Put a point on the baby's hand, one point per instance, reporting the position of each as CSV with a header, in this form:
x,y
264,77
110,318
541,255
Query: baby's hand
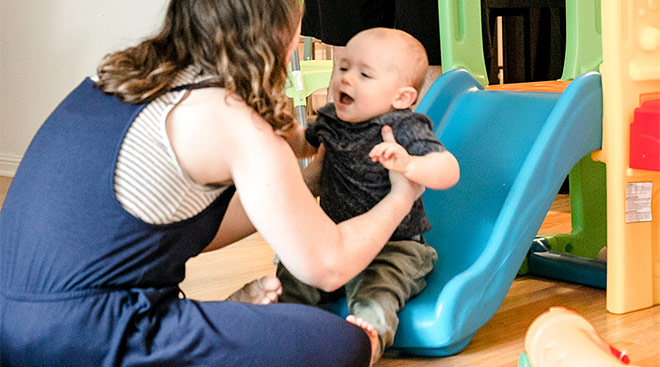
x,y
390,154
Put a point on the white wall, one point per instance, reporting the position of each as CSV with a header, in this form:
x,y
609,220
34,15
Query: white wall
x,y
48,47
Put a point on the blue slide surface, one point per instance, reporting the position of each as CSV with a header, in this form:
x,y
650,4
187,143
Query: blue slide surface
x,y
515,149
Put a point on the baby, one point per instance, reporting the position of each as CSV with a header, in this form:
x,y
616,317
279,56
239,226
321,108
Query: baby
x,y
368,130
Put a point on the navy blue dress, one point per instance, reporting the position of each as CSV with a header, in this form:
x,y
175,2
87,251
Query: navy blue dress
x,y
84,283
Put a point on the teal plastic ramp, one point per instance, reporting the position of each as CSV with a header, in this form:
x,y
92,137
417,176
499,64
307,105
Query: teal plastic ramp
x,y
515,149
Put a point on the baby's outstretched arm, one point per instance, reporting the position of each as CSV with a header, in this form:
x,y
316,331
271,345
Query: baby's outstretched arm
x,y
436,170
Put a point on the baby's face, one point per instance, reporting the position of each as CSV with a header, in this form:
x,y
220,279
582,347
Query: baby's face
x,y
365,80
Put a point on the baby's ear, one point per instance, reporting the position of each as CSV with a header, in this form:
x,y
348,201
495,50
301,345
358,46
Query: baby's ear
x,y
405,97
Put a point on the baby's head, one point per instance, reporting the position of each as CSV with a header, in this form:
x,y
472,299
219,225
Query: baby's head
x,y
381,70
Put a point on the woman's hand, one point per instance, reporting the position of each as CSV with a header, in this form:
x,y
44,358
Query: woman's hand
x,y
312,173
294,134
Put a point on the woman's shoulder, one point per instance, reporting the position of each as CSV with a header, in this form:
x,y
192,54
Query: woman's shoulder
x,y
213,104
203,97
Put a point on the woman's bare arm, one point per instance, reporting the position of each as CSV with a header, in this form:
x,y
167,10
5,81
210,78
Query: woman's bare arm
x,y
218,139
236,224
234,227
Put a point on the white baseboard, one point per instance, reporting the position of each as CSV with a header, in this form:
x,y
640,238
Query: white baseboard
x,y
9,164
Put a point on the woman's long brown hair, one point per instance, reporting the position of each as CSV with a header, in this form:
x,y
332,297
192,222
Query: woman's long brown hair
x,y
242,43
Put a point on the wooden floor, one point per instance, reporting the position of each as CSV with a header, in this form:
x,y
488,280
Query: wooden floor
x,y
215,275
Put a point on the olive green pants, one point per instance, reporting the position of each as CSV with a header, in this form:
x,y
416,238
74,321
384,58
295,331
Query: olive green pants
x,y
377,293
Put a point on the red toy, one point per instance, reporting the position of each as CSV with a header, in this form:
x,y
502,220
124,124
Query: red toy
x,y
645,137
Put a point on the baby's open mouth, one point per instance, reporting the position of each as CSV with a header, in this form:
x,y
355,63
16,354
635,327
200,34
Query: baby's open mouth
x,y
345,98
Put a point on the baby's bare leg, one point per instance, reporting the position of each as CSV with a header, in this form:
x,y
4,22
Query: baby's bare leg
x,y
371,333
262,291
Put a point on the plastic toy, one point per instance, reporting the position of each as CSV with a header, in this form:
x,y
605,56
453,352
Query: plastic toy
x,y
631,76
305,77
460,38
461,48
558,265
624,213
645,137
560,338
515,148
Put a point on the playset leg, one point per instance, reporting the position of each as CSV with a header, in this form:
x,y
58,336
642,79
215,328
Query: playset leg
x,y
572,257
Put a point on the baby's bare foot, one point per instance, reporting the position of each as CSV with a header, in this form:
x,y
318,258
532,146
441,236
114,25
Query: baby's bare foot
x,y
371,333
262,291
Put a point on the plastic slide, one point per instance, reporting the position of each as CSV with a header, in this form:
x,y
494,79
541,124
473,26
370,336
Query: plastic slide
x,y
515,149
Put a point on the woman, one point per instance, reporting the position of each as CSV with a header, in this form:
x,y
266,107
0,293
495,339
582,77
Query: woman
x,y
133,174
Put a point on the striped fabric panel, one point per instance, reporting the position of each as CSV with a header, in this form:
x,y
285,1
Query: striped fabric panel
x,y
149,183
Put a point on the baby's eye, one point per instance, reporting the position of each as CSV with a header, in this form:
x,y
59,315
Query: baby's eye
x,y
343,68
366,75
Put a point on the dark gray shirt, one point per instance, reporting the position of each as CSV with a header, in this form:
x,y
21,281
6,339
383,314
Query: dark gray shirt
x,y
351,183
